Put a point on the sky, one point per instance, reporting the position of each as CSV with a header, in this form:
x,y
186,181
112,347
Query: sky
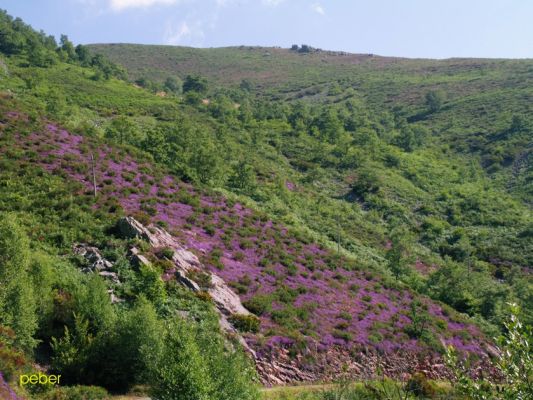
x,y
407,28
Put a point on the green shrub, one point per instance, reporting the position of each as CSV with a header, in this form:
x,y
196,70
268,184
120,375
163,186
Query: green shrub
x,y
203,279
245,323
341,334
166,252
77,393
259,304
419,385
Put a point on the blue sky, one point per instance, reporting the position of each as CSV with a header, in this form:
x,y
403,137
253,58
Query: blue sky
x,y
409,28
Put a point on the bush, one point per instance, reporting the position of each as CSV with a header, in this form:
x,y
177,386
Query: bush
x,y
77,393
259,304
245,323
166,252
340,334
515,365
203,279
194,364
419,385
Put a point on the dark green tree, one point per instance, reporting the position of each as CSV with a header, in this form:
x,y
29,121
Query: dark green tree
x,y
67,49
434,100
329,125
17,301
399,256
178,371
83,54
173,85
123,130
243,177
195,84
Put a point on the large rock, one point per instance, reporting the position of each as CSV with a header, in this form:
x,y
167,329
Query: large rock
x,y
226,301
98,264
96,261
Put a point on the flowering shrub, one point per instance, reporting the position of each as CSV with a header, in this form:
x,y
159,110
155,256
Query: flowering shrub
x,y
515,363
275,271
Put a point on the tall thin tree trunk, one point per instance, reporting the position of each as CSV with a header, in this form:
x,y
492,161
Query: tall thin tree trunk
x,y
94,174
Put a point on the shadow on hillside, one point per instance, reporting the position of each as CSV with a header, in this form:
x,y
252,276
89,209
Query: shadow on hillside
x,y
421,116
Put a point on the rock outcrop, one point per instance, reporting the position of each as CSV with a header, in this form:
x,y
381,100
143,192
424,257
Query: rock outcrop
x,y
98,264
273,369
225,300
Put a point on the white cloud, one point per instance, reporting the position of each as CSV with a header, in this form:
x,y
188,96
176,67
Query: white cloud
x,y
174,36
318,9
184,33
119,5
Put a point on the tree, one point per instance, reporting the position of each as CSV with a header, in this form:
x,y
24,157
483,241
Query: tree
x,y
398,256
243,177
67,48
40,56
11,40
178,370
367,182
106,68
411,137
515,364
329,125
434,100
206,163
119,358
195,84
195,364
84,56
420,320
17,301
71,352
173,84
123,130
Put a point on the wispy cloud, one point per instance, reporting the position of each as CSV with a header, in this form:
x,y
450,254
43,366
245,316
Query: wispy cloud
x,y
316,7
119,5
184,32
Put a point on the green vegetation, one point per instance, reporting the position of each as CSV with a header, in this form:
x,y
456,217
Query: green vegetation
x,y
429,164
515,365
417,172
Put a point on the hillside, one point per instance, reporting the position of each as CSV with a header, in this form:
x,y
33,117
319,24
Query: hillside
x,y
366,212
280,276
481,95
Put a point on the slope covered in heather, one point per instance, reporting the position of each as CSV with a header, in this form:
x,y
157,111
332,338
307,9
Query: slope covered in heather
x,y
357,148
363,228
306,295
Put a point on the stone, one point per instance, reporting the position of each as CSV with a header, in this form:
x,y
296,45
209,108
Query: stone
x,y
93,256
137,258
98,264
112,276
